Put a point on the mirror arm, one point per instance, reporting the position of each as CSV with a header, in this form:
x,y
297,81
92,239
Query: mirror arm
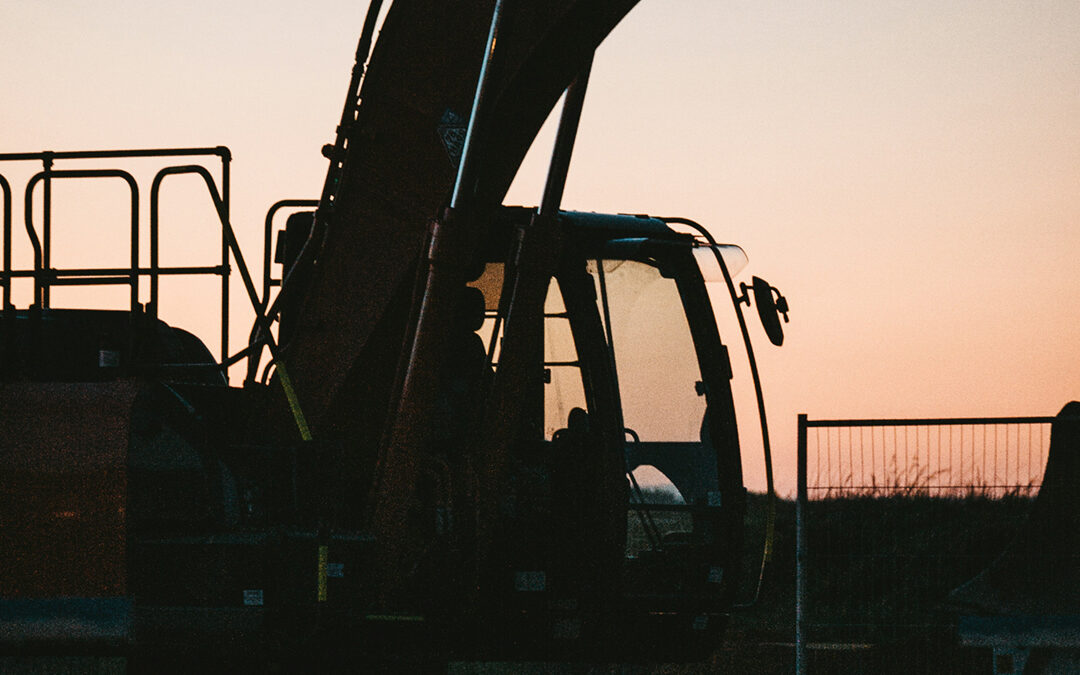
x,y
781,303
743,299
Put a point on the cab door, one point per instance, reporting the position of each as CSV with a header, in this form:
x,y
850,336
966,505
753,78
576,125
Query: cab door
x,y
687,500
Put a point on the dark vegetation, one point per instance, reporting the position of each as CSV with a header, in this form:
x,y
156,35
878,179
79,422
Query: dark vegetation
x,y
879,573
884,567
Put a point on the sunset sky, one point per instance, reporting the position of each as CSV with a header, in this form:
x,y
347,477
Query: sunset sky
x,y
908,174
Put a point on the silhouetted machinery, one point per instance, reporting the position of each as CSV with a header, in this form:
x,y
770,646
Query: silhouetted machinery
x,y
437,457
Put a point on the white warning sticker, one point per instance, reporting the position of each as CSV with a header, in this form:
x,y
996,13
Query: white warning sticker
x,y
452,131
530,581
253,597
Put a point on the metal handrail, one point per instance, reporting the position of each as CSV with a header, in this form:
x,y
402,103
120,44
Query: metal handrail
x,y
155,271
47,155
45,276
60,274
42,249
268,233
229,244
5,280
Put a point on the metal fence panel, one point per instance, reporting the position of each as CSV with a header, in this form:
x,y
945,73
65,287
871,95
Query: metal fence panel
x,y
893,514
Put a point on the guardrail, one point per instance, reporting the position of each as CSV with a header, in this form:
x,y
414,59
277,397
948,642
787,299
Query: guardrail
x,y
45,276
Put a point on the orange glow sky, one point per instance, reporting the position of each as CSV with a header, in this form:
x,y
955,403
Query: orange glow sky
x,y
908,174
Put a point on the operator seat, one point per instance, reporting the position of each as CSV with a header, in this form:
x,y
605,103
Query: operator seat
x,y
466,376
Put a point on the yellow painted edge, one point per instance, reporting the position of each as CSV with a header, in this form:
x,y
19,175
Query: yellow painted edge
x,y
294,403
324,555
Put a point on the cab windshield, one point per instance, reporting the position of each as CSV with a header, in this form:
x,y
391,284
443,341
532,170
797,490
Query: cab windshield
x,y
655,360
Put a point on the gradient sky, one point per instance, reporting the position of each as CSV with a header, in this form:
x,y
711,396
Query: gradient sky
x,y
908,174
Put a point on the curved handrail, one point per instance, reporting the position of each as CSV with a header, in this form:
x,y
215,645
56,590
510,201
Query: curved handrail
x,y
42,273
255,337
245,275
268,232
227,233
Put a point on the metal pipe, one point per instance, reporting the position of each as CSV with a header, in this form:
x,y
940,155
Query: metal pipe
x,y
44,276
35,243
224,216
6,188
108,154
800,550
563,149
46,228
470,147
71,272
101,280
134,239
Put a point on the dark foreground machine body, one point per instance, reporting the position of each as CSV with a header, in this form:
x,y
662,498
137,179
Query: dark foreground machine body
x,y
437,458
1026,604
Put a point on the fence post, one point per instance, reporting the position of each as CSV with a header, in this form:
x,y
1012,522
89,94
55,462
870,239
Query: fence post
x,y
800,551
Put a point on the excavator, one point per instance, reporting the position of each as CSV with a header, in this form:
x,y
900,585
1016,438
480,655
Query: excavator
x,y
446,406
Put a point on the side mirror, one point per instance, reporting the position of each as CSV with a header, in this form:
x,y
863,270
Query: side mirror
x,y
769,308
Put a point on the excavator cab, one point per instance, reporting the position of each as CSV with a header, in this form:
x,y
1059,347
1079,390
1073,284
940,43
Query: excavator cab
x,y
617,523
631,378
